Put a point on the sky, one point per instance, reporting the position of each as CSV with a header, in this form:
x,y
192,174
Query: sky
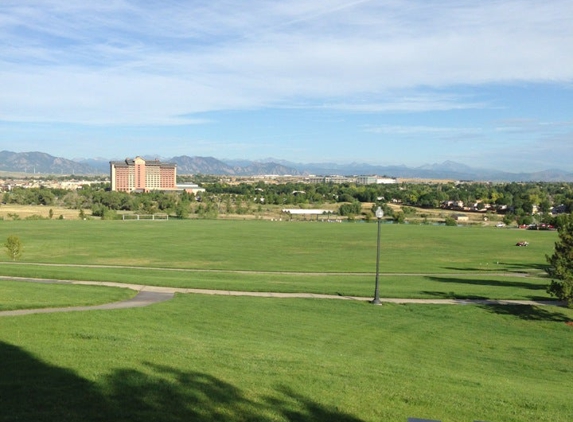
x,y
389,82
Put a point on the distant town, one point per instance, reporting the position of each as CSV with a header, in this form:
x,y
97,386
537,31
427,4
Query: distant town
x,y
137,186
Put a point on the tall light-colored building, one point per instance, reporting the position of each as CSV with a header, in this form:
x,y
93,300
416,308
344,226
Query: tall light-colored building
x,y
375,180
140,175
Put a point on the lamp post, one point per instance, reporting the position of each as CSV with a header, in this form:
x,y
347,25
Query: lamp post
x,y
376,300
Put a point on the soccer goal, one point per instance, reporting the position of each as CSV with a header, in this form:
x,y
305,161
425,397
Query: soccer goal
x,y
161,217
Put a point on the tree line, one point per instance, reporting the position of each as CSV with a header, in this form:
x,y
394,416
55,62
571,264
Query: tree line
x,y
516,201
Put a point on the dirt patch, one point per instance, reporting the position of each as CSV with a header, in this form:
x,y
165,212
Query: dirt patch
x,y
569,323
12,212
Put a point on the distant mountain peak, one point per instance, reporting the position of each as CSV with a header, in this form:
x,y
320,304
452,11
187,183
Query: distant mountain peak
x,y
36,162
43,163
446,165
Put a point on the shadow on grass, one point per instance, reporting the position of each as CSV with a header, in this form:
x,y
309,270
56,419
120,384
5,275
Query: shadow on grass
x,y
31,390
452,295
503,267
487,282
529,313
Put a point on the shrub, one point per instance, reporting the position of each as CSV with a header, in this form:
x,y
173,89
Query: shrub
x,y
451,221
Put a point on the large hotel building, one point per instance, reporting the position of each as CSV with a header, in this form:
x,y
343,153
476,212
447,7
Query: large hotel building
x,y
140,175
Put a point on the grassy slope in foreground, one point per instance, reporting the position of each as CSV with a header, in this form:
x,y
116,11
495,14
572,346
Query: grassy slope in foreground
x,y
224,358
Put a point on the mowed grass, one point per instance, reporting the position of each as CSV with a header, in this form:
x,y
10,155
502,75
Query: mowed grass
x,y
278,246
210,358
416,261
26,295
483,286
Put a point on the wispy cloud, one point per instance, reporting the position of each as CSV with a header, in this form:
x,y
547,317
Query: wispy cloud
x,y
417,130
130,62
533,126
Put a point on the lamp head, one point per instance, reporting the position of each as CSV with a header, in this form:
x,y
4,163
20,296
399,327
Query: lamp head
x,y
379,213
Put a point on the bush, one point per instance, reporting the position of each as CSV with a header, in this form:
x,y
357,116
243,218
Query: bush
x,y
410,211
35,217
451,221
104,212
353,208
399,217
13,247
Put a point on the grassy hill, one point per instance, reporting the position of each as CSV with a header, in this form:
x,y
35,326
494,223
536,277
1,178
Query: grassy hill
x,y
230,358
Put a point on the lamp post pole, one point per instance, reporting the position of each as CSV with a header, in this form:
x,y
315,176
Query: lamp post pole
x,y
376,300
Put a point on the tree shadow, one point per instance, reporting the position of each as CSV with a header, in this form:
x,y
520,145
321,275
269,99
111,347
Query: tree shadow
x,y
488,282
529,312
492,269
300,408
34,390
452,295
31,390
502,267
524,267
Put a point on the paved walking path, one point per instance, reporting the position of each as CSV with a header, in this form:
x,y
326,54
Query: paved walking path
x,y
148,295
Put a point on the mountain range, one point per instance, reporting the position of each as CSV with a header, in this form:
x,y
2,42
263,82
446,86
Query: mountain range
x,y
42,163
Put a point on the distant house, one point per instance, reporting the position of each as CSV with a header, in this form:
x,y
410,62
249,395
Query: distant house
x,y
559,209
191,188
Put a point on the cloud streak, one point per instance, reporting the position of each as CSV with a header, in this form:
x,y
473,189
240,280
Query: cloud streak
x,y
128,62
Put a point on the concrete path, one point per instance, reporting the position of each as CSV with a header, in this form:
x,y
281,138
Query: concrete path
x,y
321,296
141,299
148,295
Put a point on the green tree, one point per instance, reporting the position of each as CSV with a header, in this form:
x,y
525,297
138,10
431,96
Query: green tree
x,y
561,263
13,247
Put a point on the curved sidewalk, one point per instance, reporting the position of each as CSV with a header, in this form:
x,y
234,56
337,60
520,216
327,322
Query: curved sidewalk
x,y
143,298
148,295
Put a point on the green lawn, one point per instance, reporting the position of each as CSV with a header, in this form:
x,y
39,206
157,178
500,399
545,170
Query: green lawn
x,y
25,295
233,358
471,286
416,261
223,358
279,246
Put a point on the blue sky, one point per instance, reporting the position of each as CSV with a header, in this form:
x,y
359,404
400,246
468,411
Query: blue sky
x,y
488,84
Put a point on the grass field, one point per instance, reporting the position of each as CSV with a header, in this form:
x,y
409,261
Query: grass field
x,y
210,358
416,261
23,295
240,359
